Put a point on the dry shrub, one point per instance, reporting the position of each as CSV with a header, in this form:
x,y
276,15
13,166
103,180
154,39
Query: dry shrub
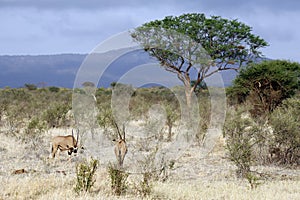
x,y
285,121
239,130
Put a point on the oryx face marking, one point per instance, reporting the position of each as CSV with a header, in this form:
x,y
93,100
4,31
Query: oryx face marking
x,y
64,143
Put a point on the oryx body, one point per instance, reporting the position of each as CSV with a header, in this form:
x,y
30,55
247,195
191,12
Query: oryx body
x,y
120,147
64,143
120,151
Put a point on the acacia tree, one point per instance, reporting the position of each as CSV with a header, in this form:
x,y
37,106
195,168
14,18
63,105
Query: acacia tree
x,y
265,85
192,44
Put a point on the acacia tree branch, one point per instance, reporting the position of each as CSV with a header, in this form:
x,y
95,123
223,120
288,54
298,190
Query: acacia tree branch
x,y
198,81
189,67
180,77
181,64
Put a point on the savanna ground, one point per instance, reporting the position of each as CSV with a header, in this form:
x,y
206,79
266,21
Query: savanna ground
x,y
193,173
192,177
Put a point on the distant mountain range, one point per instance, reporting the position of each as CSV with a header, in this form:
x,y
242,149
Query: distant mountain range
x,y
48,70
60,70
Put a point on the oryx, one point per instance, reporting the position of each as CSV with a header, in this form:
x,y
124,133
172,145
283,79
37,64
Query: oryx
x,y
64,143
120,146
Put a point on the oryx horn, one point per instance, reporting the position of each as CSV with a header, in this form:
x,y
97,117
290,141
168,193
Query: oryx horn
x,y
118,129
77,137
123,131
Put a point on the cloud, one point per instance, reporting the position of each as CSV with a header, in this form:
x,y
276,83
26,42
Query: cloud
x,y
89,5
71,26
237,6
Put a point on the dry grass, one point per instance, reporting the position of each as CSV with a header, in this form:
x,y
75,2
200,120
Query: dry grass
x,y
229,190
193,176
61,187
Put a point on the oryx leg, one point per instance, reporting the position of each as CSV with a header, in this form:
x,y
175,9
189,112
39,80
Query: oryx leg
x,y
54,149
70,156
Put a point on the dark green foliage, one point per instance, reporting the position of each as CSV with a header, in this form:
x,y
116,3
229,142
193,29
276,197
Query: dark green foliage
x,y
85,176
118,180
53,89
223,39
265,85
113,84
201,86
30,86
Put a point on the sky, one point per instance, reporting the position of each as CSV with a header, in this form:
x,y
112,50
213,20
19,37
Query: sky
x,y
36,27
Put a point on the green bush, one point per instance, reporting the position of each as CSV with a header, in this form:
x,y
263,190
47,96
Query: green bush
x,y
118,180
85,176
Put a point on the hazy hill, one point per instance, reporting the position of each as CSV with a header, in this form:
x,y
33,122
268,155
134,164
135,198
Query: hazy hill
x,y
60,70
52,70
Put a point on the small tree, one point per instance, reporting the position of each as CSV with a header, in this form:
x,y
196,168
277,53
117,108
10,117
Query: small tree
x,y
88,84
54,89
30,86
192,44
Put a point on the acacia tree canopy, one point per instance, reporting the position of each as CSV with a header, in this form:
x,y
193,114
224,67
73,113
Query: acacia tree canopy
x,y
266,84
194,42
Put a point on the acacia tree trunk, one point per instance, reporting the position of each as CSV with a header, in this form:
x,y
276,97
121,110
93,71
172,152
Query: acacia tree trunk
x,y
188,90
188,96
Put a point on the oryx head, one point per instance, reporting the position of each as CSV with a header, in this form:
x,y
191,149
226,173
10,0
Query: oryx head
x,y
74,149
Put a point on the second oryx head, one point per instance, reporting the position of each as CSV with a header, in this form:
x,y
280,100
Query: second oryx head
x,y
65,143
120,146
